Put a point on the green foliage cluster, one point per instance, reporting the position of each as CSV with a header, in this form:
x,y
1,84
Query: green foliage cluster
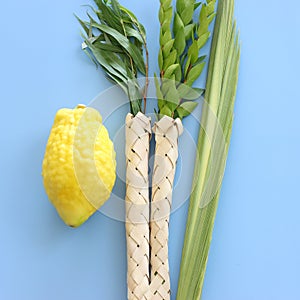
x,y
115,40
179,61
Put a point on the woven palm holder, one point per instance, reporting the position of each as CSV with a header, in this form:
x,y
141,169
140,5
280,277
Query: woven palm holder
x,y
138,131
166,130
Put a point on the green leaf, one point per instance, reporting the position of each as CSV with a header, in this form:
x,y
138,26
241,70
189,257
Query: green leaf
x,y
170,60
170,71
165,26
166,3
115,63
83,25
196,5
210,7
115,7
160,59
178,24
179,43
172,97
168,14
199,91
92,20
193,52
107,16
115,80
211,18
157,86
134,20
161,16
188,31
106,47
180,6
188,93
131,32
167,47
203,28
165,37
200,59
124,42
186,108
203,39
134,96
187,66
160,103
187,14
166,111
110,62
167,84
178,74
194,73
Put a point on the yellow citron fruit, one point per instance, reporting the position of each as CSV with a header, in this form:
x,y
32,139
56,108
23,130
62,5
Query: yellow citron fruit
x,y
79,167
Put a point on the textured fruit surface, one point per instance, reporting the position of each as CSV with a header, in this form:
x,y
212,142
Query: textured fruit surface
x,y
79,167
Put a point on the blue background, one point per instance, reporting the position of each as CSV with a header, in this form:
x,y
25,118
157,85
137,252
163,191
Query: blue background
x,y
256,245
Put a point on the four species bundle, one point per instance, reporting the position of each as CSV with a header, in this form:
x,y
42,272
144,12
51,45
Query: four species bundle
x,y
115,40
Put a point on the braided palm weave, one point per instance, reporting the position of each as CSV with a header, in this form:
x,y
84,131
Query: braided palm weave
x,y
167,131
138,131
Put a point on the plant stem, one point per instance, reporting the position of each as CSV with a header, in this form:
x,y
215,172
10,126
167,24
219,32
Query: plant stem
x,y
147,77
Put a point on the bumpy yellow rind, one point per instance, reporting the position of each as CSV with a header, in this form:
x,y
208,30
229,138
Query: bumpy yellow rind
x,y
79,167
